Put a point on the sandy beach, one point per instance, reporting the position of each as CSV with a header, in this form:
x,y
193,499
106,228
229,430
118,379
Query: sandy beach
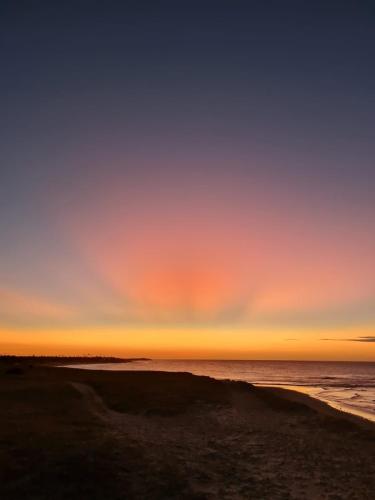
x,y
70,433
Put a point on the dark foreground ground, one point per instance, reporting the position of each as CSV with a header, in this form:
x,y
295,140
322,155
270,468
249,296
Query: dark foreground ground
x,y
78,434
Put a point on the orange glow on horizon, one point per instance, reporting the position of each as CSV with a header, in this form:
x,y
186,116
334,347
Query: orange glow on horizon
x,y
185,343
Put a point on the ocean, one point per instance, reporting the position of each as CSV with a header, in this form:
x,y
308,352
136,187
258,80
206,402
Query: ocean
x,y
348,386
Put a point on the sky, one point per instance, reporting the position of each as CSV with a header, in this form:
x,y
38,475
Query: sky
x,y
188,179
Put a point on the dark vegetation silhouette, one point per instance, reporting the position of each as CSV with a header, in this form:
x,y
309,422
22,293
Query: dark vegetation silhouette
x,y
10,358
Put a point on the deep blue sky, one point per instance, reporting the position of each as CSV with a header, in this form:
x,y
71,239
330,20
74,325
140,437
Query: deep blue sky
x,y
288,77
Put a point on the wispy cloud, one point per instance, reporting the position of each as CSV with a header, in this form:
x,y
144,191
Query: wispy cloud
x,y
366,338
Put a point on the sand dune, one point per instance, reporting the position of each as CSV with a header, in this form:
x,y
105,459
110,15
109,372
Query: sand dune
x,y
69,433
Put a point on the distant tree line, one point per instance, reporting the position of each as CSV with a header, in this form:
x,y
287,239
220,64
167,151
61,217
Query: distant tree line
x,y
10,358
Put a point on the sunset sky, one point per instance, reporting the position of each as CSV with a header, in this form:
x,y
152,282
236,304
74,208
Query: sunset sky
x,y
188,179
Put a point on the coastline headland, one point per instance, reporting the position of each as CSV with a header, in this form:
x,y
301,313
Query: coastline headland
x,y
9,359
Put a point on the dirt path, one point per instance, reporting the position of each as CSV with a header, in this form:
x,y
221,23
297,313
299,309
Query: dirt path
x,y
98,407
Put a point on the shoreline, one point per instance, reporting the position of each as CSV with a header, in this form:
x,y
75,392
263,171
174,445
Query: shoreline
x,y
334,408
289,393
319,405
339,409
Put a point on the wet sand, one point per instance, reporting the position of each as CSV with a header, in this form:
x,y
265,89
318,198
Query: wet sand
x,y
70,433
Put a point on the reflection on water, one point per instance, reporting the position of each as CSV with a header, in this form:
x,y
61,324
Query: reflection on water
x,y
349,386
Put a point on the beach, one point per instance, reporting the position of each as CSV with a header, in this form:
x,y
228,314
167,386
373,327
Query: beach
x,y
71,433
